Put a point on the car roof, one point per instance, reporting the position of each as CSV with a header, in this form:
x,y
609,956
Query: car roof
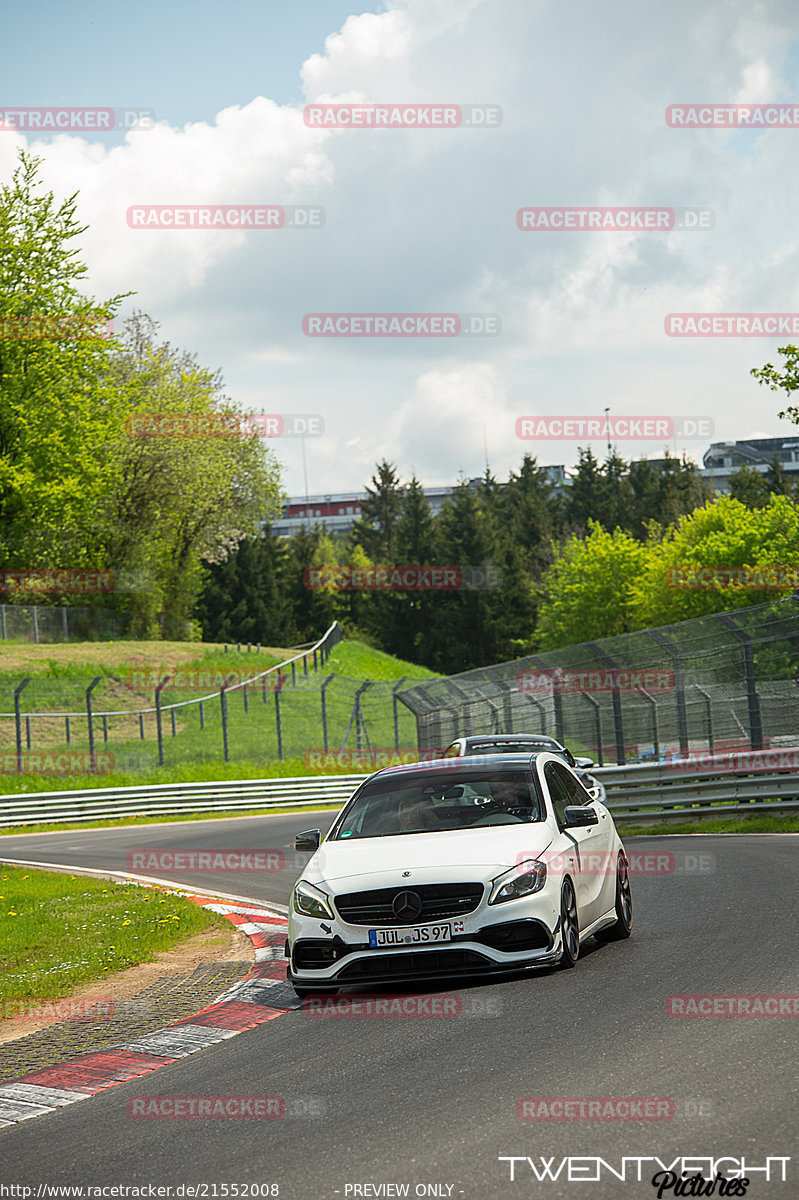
x,y
502,762
534,739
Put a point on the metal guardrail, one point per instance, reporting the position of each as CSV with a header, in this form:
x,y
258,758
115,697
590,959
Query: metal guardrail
x,y
641,791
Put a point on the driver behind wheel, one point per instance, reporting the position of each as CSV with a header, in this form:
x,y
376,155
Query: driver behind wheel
x,y
511,797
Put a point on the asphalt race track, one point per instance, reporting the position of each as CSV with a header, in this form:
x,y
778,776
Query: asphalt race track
x,y
432,1102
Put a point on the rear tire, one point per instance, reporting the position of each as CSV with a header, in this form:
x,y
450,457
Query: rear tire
x,y
623,925
569,927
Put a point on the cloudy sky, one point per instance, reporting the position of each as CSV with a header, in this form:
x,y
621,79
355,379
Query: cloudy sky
x,y
424,220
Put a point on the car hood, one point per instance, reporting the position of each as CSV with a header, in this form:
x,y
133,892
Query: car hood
x,y
446,857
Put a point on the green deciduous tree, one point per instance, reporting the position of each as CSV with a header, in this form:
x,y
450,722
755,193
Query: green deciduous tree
x,y
58,410
172,502
589,588
723,533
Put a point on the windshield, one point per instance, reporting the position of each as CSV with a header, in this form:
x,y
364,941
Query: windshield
x,y
427,803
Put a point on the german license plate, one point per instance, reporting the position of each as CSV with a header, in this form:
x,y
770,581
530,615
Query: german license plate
x,y
410,935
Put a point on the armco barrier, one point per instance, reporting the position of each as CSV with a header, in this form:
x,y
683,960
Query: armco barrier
x,y
639,791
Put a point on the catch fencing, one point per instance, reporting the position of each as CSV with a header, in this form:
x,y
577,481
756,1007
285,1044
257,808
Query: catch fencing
x,y
727,681
55,623
127,724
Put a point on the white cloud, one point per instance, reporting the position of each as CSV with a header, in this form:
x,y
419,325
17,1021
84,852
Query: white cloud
x,y
425,221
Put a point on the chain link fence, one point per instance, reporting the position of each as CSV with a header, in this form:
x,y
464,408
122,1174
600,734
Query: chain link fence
x,y
74,725
721,682
56,623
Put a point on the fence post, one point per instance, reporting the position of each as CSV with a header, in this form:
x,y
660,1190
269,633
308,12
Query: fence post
x,y
618,727
752,698
28,733
3,621
158,723
709,714
305,665
89,690
18,720
679,686
202,716
597,726
653,704
244,691
322,691
541,712
69,732
557,704
278,723
293,673
65,622
394,691
360,724
105,729
315,667
35,611
172,715
223,707
141,726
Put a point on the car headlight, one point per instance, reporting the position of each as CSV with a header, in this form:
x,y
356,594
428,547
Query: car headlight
x,y
524,880
310,901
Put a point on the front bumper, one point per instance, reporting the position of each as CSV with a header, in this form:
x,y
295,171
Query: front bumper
x,y
495,938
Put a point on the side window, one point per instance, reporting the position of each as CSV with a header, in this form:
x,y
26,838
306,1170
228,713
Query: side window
x,y
572,786
557,792
564,789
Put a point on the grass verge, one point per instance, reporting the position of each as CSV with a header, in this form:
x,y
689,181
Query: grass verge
x,y
59,932
760,823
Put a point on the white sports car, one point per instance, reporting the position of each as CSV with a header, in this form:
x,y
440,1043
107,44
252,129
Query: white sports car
x,y
457,867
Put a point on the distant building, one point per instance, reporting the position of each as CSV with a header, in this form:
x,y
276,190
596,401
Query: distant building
x,y
725,457
338,511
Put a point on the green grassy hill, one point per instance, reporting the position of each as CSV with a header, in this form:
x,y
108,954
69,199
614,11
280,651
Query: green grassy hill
x,y
192,732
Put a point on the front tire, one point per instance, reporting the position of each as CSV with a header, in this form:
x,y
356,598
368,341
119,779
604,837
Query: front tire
x,y
623,925
569,927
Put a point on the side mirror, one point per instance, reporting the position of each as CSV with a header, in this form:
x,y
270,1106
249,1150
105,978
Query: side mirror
x,y
308,840
575,816
583,763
